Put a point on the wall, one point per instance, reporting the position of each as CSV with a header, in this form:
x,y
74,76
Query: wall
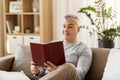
x,y
1,28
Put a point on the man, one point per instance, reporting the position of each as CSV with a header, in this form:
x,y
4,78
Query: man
x,y
78,56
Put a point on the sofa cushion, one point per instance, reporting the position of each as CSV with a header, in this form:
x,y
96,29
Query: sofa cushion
x,y
13,75
22,61
99,58
112,68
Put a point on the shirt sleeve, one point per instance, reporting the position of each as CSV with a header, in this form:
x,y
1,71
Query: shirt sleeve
x,y
84,61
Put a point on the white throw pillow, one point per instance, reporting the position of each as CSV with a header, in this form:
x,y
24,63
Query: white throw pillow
x,y
112,68
4,75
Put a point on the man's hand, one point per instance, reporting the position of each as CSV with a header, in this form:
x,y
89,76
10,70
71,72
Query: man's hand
x,y
34,69
50,66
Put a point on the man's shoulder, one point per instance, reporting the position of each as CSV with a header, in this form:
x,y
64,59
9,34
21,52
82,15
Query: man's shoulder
x,y
84,48
83,45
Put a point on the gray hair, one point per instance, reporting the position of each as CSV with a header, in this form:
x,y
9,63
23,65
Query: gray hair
x,y
72,16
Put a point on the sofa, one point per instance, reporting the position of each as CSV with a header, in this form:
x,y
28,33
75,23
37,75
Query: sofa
x,y
21,61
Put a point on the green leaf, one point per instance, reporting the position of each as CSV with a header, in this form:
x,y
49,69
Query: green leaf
x,y
109,14
89,8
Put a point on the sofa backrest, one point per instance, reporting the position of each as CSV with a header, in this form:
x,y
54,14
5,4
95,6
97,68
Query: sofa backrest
x,y
98,63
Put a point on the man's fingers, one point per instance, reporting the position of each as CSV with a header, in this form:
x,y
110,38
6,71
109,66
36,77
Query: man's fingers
x,y
51,64
46,65
35,69
33,63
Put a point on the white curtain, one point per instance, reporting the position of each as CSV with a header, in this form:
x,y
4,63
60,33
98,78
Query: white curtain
x,y
63,7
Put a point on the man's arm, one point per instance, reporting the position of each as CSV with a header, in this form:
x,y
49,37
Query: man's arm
x,y
84,61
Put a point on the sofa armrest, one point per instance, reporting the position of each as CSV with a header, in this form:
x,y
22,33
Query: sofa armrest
x,y
6,62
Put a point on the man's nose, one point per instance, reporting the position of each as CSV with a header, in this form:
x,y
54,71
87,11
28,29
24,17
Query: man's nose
x,y
66,29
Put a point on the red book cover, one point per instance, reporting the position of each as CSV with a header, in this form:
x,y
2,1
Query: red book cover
x,y
53,52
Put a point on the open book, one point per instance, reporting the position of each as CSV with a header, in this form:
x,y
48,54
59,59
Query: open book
x,y
53,52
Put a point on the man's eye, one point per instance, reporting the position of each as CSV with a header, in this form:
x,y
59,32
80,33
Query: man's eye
x,y
70,26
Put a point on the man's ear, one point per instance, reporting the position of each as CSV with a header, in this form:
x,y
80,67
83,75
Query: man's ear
x,y
78,28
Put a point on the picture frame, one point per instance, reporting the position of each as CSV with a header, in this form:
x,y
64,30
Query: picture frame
x,y
15,6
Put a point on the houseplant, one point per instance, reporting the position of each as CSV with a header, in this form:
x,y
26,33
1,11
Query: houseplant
x,y
103,23
27,30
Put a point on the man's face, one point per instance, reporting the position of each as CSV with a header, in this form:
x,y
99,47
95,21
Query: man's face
x,y
70,30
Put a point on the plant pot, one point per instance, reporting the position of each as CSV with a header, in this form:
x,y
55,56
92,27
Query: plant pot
x,y
27,31
106,44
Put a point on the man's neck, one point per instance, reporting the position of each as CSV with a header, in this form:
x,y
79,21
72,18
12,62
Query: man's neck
x,y
66,41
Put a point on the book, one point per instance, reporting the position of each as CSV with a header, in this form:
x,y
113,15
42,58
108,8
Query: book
x,y
53,52
9,26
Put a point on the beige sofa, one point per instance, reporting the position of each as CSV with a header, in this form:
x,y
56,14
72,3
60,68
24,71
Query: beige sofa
x,y
98,63
95,73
